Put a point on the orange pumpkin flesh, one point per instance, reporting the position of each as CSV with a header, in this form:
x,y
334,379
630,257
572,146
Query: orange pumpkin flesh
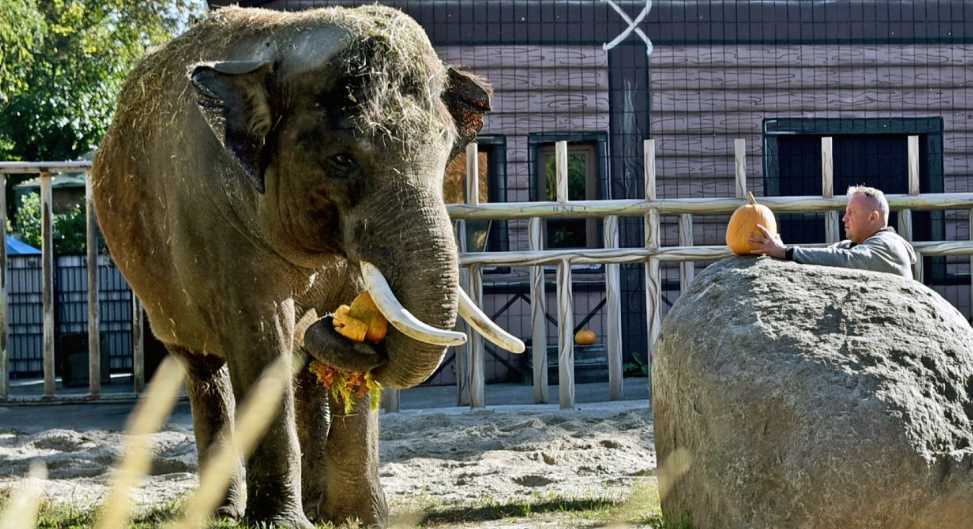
x,y
361,321
743,225
585,337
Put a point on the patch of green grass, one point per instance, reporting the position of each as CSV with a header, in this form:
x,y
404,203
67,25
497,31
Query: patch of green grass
x,y
492,511
65,517
640,508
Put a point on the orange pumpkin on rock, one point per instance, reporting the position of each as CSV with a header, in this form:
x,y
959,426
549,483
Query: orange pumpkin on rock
x,y
743,225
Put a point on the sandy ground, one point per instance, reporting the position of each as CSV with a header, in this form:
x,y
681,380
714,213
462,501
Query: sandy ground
x,y
447,456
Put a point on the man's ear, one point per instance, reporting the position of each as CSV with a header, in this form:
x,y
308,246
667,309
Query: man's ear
x,y
467,97
233,98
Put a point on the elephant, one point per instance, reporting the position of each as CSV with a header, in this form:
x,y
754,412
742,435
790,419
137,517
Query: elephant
x,y
267,165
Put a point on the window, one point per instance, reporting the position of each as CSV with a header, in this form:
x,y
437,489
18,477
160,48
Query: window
x,y
586,181
482,235
872,152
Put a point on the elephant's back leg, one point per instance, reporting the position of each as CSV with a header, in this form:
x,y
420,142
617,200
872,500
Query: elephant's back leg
x,y
212,403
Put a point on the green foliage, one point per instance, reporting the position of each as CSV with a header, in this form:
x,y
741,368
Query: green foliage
x,y
21,26
69,227
636,368
66,65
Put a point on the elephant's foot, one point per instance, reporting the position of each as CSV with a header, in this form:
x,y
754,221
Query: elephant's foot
x,y
231,512
294,519
374,516
235,502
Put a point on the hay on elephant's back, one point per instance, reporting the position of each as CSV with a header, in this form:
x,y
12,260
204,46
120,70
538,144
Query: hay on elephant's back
x,y
397,76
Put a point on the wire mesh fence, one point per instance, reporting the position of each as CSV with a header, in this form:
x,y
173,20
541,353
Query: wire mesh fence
x,y
694,75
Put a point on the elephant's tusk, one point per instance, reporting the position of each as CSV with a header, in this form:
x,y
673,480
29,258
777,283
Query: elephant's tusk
x,y
485,326
398,316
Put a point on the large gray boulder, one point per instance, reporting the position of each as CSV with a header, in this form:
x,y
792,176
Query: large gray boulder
x,y
795,396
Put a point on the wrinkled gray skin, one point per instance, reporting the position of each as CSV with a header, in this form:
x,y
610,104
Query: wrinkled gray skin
x,y
242,181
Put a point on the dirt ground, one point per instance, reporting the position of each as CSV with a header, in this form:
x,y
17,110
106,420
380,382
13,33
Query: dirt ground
x,y
444,457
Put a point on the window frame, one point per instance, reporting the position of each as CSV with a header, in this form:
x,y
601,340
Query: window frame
x,y
540,142
931,128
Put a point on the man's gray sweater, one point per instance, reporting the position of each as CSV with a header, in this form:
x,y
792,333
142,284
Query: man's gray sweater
x,y
885,251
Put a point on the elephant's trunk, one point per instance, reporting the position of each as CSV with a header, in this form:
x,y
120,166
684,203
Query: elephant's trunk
x,y
415,252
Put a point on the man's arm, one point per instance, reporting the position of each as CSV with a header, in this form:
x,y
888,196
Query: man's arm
x,y
869,255
860,256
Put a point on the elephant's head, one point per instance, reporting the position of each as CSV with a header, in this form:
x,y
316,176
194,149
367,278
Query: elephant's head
x,y
342,122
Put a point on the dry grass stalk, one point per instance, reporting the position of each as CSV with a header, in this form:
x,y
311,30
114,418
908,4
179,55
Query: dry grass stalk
x,y
673,468
152,410
21,511
253,417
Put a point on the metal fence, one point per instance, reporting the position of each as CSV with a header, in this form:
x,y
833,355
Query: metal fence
x,y
25,320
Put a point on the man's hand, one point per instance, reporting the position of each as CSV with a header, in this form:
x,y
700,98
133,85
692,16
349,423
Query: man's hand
x,y
767,244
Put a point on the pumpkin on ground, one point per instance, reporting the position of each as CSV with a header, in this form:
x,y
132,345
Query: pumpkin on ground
x,y
585,337
743,225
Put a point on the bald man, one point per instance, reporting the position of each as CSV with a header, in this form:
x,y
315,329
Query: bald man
x,y
871,243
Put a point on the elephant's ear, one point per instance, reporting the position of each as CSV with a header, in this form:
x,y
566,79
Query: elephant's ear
x,y
233,98
467,97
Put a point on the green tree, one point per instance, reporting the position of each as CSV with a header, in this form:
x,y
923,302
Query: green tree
x,y
66,65
21,28
68,227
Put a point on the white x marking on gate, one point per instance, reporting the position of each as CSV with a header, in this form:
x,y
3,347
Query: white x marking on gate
x,y
633,25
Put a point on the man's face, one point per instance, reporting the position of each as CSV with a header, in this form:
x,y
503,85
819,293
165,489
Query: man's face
x,y
862,219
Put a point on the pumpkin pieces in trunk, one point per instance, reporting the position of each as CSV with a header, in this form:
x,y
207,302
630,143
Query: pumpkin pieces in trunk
x,y
362,321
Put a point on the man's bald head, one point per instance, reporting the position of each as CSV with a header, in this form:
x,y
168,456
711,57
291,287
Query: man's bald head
x,y
867,213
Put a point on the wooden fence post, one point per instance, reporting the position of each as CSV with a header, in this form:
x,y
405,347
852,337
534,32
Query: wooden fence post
x,y
565,298
47,271
476,366
477,360
613,327
4,354
91,245
653,292
138,346
686,268
740,158
831,231
905,215
538,316
461,353
565,331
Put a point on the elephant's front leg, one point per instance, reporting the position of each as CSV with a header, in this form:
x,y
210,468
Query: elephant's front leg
x,y
263,335
313,422
353,490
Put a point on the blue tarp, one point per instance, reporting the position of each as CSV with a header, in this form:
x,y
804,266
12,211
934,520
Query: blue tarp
x,y
16,246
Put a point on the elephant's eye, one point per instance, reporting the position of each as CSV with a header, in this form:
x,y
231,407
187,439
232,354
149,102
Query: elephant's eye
x,y
342,163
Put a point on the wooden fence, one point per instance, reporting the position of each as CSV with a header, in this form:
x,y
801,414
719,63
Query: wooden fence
x,y
45,169
470,364
651,255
